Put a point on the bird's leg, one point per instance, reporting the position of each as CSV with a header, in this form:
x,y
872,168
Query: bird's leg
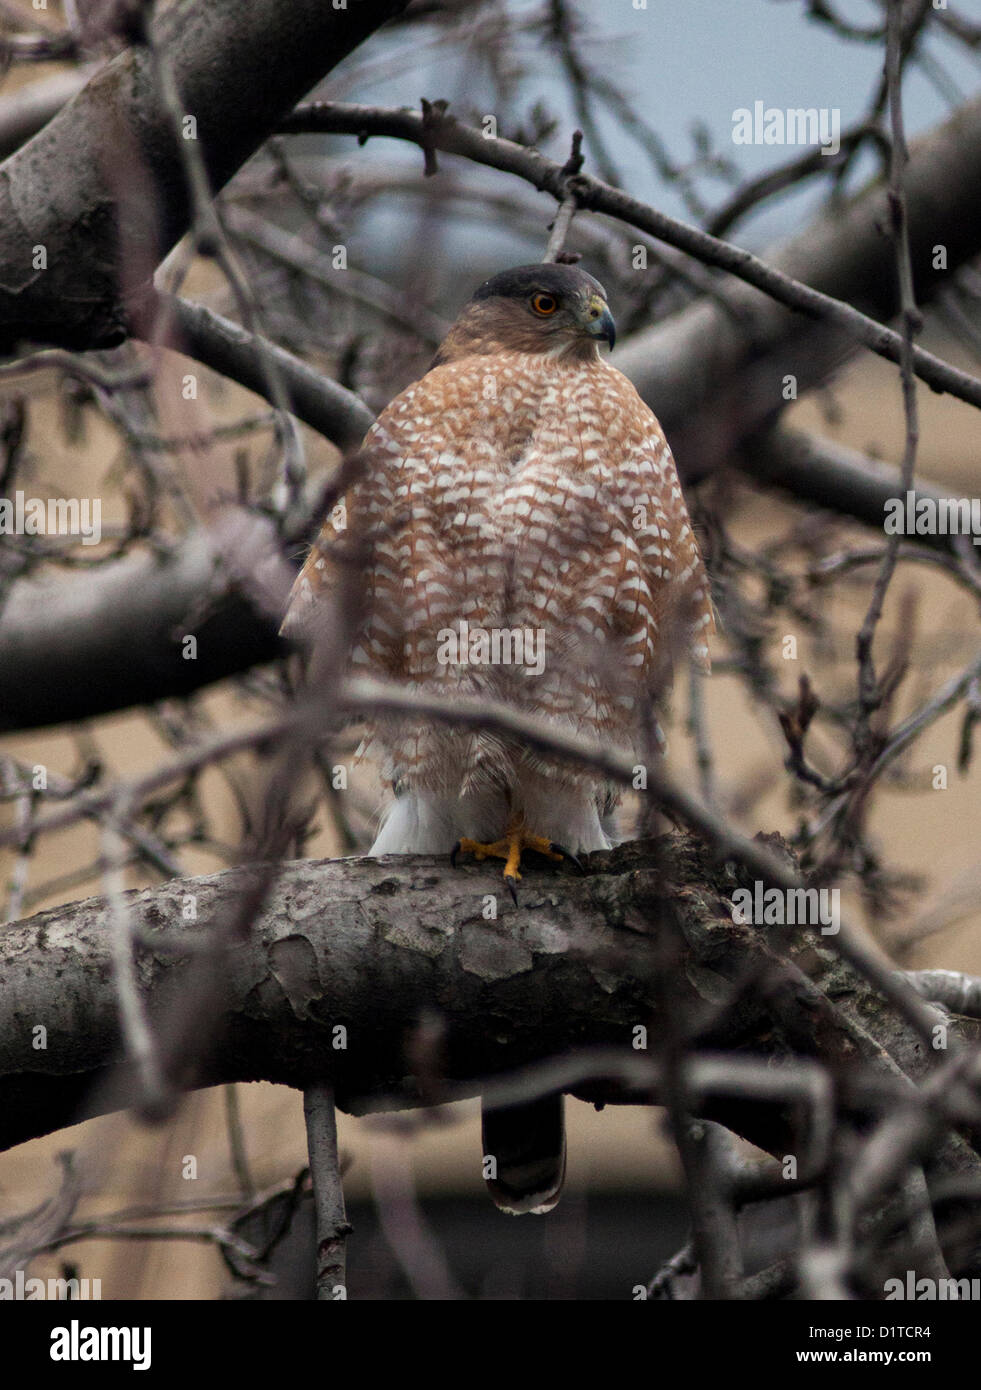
x,y
515,840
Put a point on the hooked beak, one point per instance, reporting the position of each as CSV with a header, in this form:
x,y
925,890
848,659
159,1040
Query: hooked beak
x,y
598,321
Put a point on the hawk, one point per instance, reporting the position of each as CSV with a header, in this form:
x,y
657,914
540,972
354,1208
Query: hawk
x,y
524,538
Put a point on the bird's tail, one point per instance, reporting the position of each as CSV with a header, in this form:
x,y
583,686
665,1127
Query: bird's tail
x,y
524,1154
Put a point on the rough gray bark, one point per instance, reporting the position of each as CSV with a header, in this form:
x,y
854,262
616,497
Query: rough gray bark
x,y
115,638
103,186
23,114
376,945
832,476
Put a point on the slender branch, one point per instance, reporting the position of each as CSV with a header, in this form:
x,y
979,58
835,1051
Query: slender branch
x,y
959,993
869,688
232,350
236,1143
74,365
444,132
328,1192
560,229
141,1047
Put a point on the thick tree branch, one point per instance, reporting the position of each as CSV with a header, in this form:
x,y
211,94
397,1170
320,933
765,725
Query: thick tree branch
x,y
305,723
837,478
372,945
104,184
325,1171
70,650
23,113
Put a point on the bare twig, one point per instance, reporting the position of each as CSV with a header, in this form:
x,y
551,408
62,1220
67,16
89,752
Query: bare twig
x,y
328,1192
451,135
154,1098
954,990
870,689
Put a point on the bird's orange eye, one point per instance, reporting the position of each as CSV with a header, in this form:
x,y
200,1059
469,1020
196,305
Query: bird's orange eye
x,y
544,304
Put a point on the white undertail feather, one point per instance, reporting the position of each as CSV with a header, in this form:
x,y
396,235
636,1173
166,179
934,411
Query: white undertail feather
x,y
428,823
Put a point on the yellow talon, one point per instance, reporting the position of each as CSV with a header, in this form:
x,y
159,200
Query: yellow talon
x,y
515,841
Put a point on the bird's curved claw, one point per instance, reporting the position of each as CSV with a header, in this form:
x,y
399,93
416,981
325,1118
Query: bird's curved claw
x,y
453,854
567,854
511,888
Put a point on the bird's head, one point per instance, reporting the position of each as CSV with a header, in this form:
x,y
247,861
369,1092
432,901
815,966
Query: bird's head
x,y
553,309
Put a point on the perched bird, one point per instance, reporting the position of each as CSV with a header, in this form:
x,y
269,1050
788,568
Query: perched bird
x,y
524,538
